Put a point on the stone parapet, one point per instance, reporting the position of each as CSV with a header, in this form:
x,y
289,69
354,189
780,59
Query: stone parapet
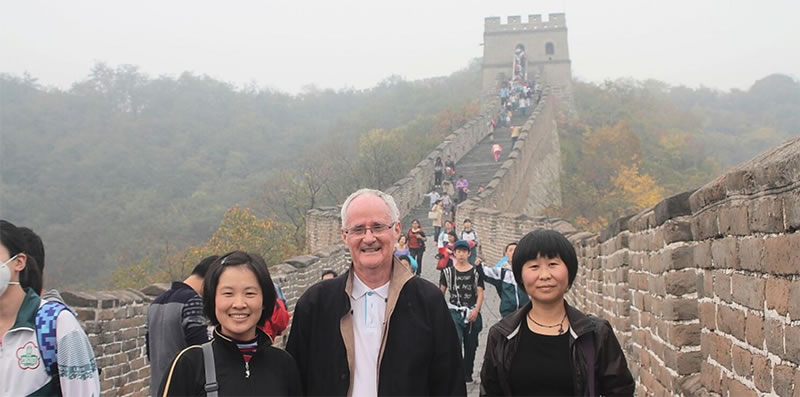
x,y
323,224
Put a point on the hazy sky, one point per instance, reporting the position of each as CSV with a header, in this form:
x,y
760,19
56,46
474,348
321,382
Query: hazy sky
x,y
288,45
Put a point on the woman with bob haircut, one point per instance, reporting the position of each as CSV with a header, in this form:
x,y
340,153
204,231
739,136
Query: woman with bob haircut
x,y
238,295
547,347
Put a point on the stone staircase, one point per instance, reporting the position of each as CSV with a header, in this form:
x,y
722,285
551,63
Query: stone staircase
x,y
478,166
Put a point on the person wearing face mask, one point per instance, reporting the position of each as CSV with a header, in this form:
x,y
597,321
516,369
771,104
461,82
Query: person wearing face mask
x,y
23,371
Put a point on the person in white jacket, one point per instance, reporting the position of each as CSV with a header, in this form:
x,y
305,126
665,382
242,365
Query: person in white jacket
x,y
23,368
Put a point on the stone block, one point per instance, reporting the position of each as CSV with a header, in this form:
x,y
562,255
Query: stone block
x,y
762,373
794,300
722,286
720,350
731,321
679,309
773,333
702,255
675,231
742,361
683,334
792,333
672,207
681,282
708,315
751,254
678,258
777,294
739,389
791,208
705,225
765,215
748,291
733,220
725,253
754,330
780,254
711,377
783,379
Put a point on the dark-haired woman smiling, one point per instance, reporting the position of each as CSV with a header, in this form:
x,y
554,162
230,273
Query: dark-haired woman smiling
x,y
238,295
549,348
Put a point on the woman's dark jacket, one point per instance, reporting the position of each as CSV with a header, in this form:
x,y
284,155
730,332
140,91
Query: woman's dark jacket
x,y
612,377
273,372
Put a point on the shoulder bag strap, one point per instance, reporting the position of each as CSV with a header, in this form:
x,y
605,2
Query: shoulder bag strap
x,y
211,386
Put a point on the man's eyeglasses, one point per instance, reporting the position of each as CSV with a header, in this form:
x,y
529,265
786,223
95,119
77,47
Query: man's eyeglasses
x,y
361,230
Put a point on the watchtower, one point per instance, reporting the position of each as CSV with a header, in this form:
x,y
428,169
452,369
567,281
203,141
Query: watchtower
x,y
544,44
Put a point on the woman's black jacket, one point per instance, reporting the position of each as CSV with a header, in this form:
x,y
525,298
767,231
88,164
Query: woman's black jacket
x,y
612,377
273,371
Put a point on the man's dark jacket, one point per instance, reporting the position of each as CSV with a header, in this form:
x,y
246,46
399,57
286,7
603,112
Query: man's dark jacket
x,y
612,377
421,355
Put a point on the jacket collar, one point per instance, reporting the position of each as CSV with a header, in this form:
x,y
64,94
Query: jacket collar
x,y
26,316
262,338
579,323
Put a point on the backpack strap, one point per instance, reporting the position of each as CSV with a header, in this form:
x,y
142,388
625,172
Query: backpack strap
x,y
587,345
46,318
211,386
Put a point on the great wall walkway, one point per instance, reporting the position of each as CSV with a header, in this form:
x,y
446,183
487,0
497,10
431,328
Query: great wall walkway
x,y
478,167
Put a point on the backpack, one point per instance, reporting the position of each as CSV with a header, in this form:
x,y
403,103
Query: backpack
x,y
46,318
211,386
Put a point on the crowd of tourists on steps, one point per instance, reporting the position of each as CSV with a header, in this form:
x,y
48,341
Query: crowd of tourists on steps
x,y
376,329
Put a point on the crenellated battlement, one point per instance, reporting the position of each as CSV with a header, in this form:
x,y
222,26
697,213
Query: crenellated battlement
x,y
535,22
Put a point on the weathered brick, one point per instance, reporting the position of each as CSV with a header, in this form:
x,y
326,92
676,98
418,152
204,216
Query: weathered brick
x,y
766,215
794,301
705,225
739,389
782,379
702,255
677,231
725,253
720,350
773,333
793,344
754,330
780,254
762,373
708,315
742,361
722,286
711,377
748,291
731,321
777,294
688,363
733,220
683,334
678,258
791,207
751,254
679,309
680,282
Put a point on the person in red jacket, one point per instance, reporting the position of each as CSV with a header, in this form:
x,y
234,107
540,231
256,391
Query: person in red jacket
x,y
279,320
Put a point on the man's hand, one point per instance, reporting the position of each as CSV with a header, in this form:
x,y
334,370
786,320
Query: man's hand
x,y
473,315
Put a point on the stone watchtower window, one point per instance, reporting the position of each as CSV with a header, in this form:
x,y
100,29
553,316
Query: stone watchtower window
x,y
548,49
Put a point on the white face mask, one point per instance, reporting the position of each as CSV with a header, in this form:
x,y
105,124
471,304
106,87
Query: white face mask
x,y
5,275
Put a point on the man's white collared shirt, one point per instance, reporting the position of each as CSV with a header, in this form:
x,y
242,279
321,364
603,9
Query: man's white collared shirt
x,y
369,308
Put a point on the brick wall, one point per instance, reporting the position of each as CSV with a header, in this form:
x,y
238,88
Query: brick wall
x,y
703,289
323,224
529,181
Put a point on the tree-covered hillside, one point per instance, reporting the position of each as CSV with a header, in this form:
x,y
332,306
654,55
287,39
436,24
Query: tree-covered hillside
x,y
636,142
124,166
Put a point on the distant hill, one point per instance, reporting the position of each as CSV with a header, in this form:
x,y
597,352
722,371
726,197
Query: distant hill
x,y
123,165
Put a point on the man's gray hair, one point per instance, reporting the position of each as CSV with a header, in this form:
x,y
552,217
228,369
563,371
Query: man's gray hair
x,y
394,213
